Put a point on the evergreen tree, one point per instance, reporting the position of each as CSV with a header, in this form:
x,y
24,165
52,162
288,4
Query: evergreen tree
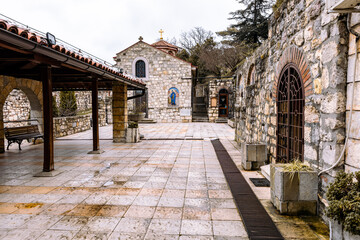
x,y
252,24
55,108
68,106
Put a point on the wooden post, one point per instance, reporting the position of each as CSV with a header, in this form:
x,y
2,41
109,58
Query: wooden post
x,y
45,77
95,114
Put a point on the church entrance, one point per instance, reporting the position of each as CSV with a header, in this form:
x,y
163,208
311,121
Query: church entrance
x,y
223,103
290,116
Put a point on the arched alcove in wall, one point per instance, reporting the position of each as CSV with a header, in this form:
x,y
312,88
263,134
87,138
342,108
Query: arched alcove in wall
x,y
293,83
33,91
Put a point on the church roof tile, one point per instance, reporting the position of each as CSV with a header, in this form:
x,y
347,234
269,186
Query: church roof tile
x,y
67,50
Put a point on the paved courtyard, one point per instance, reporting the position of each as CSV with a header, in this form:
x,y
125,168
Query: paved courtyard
x,y
155,189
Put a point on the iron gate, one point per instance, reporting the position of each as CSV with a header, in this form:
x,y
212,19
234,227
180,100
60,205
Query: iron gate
x,y
290,117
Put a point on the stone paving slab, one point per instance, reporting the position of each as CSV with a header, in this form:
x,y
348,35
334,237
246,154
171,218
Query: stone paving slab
x,y
155,189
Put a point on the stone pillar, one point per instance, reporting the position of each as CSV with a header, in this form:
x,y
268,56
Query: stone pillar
x,y
119,110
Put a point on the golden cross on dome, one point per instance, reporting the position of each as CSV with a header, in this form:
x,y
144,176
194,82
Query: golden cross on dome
x,y
161,32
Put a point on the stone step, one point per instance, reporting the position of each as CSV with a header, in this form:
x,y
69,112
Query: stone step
x,y
200,115
147,121
221,120
200,120
265,171
199,100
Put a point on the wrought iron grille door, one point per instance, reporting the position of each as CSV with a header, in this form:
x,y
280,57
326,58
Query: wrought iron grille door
x,y
290,116
223,103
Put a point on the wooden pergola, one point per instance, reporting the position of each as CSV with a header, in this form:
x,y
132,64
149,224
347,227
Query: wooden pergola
x,y
26,55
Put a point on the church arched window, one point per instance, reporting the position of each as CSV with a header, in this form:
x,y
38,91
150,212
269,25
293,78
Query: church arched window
x,y
140,69
251,76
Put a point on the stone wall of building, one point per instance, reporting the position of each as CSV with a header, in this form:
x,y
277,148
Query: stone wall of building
x,y
64,126
83,99
16,108
163,72
215,85
352,160
316,42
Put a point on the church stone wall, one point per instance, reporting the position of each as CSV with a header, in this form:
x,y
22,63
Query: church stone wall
x,y
317,42
164,72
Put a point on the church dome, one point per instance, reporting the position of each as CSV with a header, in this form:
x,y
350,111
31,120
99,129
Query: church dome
x,y
166,47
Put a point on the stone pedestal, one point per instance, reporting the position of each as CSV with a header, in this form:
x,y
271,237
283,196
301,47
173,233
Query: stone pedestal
x,y
293,193
253,155
231,123
337,232
132,135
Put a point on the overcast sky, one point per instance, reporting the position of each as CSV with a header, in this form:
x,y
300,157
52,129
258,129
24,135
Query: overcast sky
x,y
105,27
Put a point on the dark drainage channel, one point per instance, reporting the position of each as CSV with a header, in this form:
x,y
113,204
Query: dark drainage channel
x,y
257,221
260,182
186,138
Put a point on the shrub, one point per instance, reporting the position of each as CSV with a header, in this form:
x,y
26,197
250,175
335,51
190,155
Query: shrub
x,y
344,201
68,106
133,124
55,108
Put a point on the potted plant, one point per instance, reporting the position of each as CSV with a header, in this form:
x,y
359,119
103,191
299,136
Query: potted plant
x,y
294,188
137,114
132,133
344,206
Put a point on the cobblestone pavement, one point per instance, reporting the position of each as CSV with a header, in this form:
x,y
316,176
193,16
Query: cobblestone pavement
x,y
155,189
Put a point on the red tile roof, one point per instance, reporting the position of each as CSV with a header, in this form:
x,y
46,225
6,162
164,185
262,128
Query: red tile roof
x,y
75,53
165,45
156,49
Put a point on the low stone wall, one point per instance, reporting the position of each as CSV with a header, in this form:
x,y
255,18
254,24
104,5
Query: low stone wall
x,y
171,115
64,126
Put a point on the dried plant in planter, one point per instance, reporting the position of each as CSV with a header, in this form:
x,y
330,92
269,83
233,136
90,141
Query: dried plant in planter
x,y
344,201
296,166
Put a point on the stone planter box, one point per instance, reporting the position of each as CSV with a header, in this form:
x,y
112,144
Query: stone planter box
x,y
253,155
337,232
293,195
132,135
136,117
231,123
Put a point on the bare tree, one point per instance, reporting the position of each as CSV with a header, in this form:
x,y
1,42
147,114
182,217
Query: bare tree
x,y
196,36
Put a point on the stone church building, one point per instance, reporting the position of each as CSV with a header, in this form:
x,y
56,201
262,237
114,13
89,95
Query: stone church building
x,y
168,79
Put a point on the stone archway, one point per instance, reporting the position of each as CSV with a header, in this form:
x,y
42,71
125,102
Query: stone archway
x,y
293,83
295,56
33,91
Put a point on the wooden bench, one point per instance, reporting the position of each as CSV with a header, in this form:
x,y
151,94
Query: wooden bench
x,y
18,134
